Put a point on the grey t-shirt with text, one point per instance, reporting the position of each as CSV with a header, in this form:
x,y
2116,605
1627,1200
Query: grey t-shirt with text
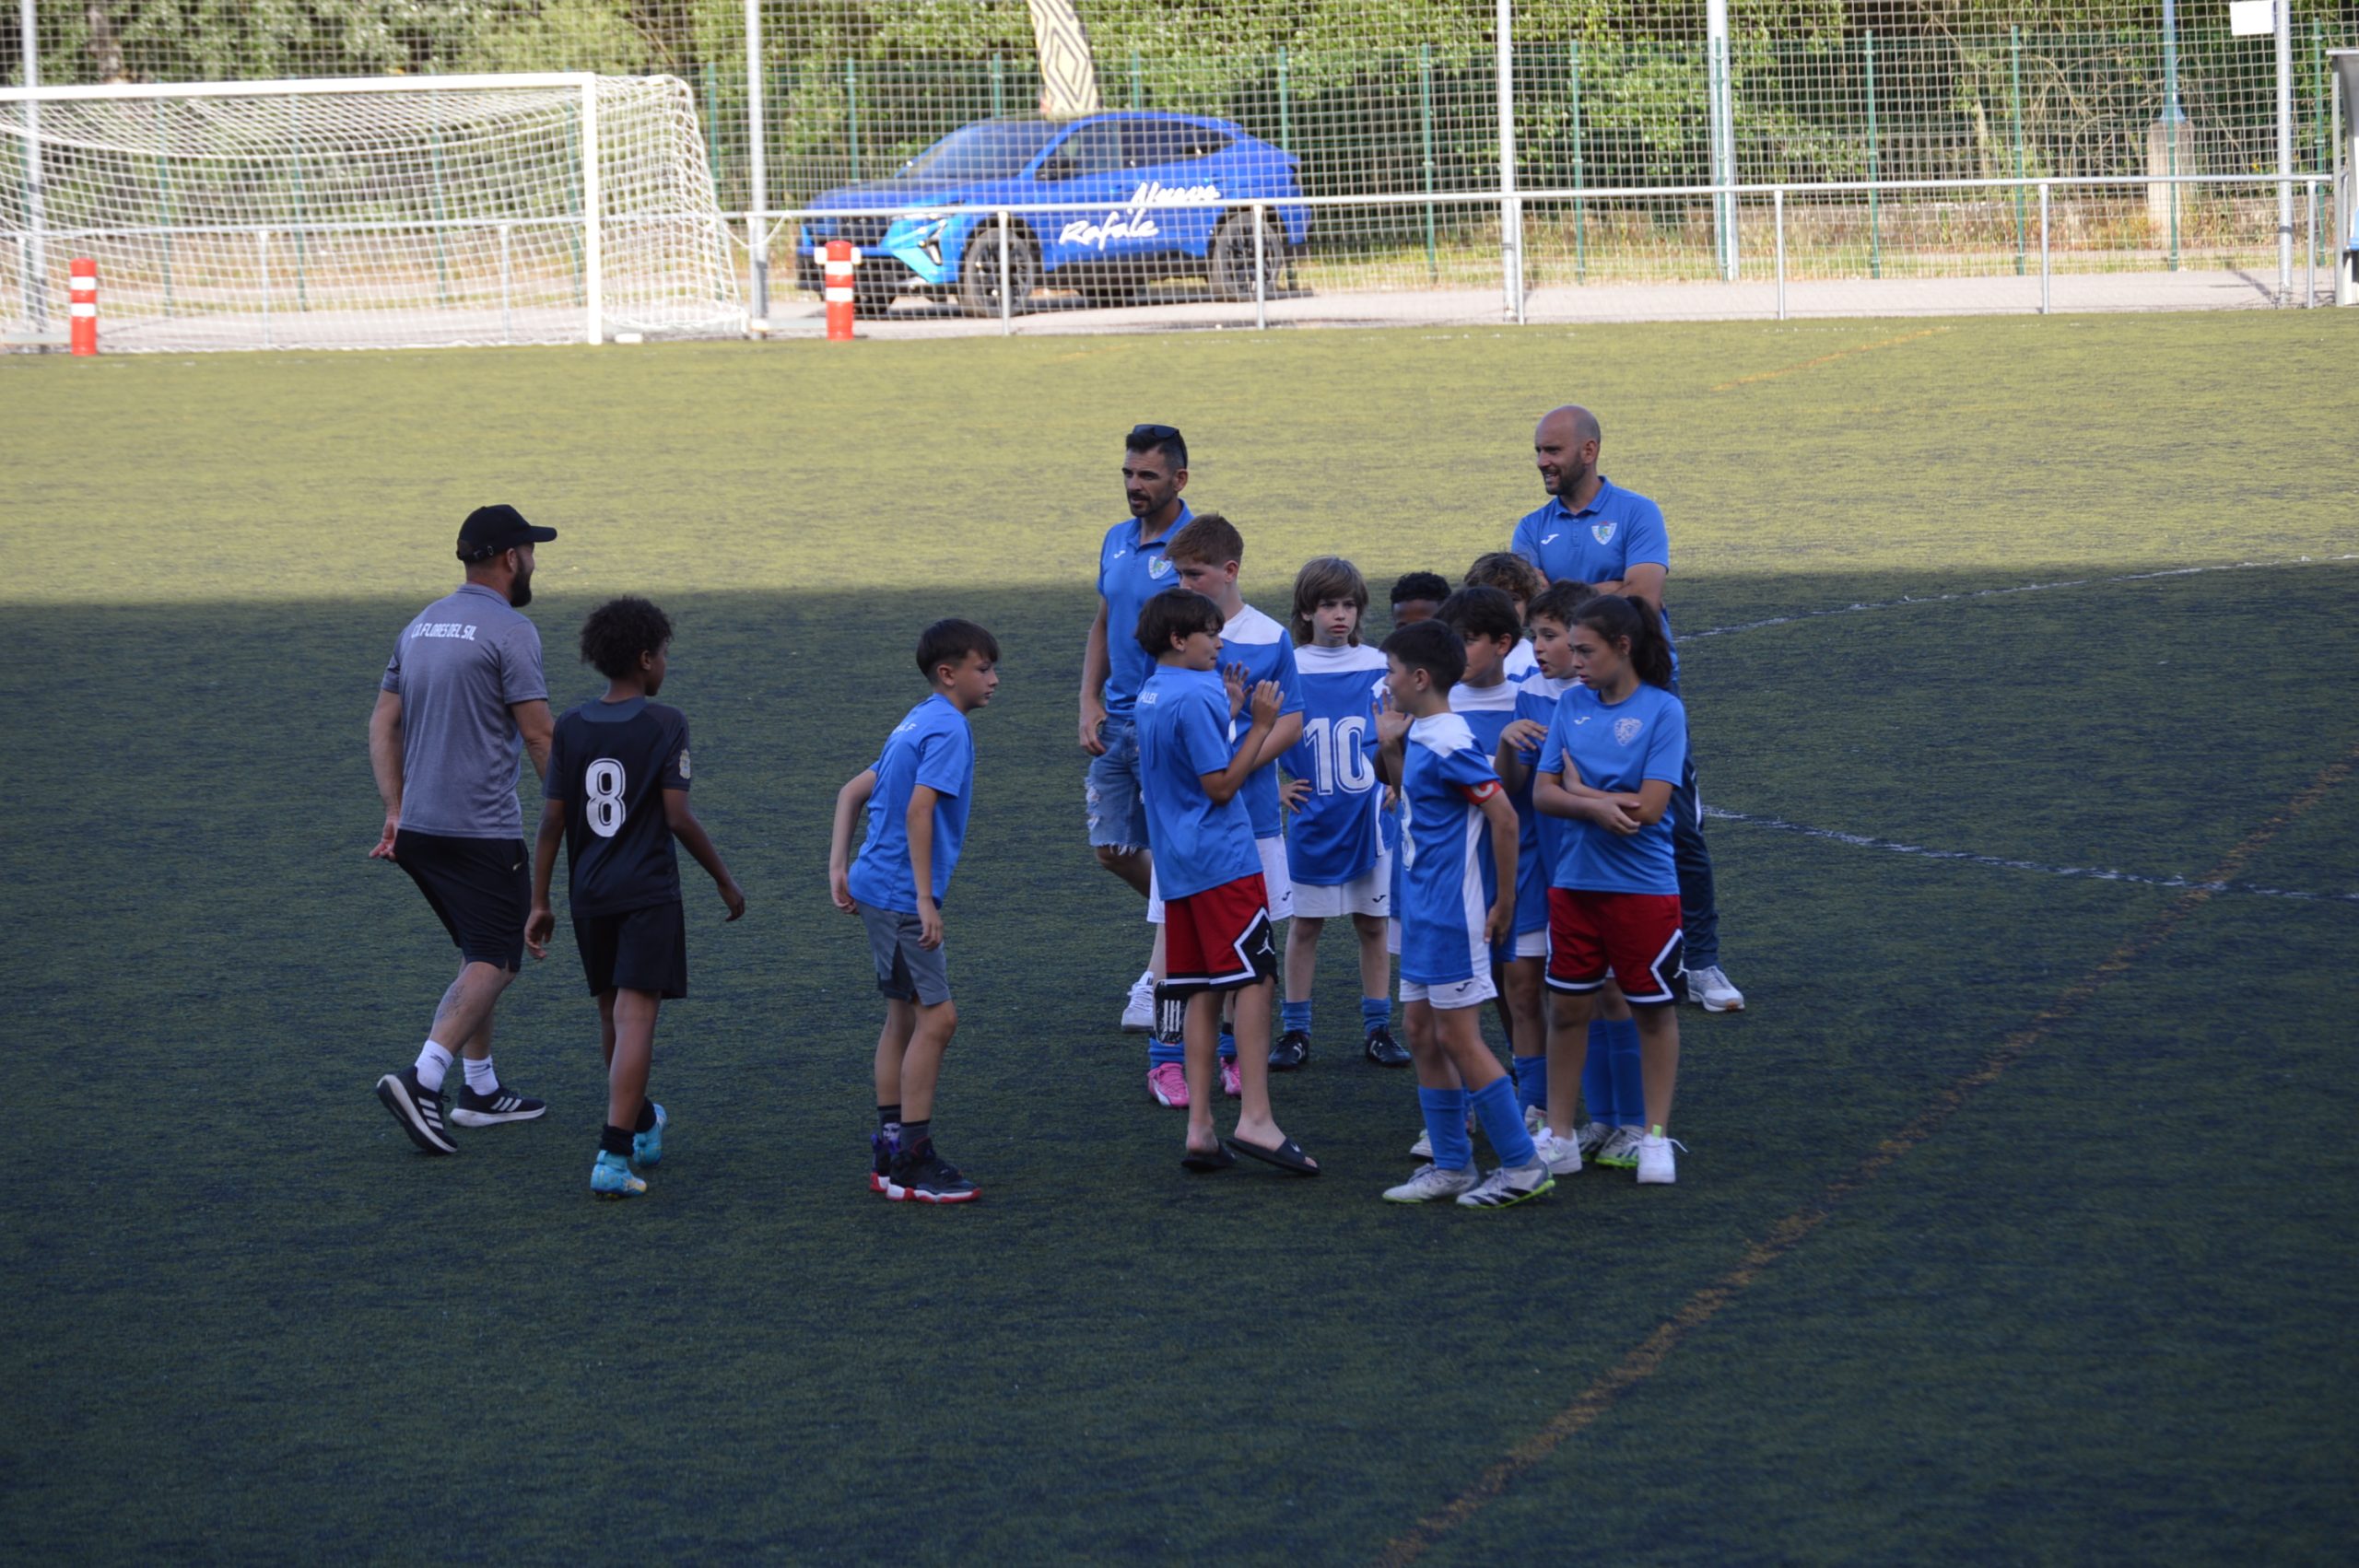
x,y
457,668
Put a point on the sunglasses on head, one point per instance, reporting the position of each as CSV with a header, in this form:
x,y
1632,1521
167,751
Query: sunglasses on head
x,y
1157,432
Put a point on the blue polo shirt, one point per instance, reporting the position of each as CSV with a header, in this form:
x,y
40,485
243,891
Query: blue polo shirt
x,y
1617,747
933,746
1183,734
1619,529
1129,574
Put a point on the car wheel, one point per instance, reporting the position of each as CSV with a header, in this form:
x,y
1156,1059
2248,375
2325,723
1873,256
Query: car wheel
x,y
1232,257
978,271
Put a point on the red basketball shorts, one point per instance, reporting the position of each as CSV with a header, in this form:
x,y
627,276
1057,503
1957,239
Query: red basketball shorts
x,y
1219,939
1634,937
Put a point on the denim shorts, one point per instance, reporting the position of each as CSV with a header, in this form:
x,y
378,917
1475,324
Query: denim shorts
x,y
1117,808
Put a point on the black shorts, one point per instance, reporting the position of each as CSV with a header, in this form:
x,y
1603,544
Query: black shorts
x,y
481,888
638,949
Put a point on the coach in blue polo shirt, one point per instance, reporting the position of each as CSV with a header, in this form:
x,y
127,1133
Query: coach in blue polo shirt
x,y
1130,570
1593,531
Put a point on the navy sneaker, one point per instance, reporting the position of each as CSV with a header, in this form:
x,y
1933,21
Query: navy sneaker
x,y
921,1175
1381,1048
883,1149
419,1110
1291,1051
502,1104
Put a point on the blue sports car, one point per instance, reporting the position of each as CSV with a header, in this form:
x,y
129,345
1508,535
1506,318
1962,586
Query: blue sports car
x,y
1137,196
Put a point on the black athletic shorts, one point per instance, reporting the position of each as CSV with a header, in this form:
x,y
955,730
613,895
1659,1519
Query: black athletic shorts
x,y
638,949
482,889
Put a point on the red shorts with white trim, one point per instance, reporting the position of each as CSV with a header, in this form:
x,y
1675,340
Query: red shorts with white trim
x,y
1219,939
1633,936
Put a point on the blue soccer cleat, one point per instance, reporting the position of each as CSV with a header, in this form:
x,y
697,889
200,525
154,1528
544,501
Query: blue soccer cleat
x,y
612,1177
647,1148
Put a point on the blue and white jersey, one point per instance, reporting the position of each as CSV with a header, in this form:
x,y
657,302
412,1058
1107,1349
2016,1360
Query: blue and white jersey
x,y
1183,734
1540,699
1619,529
1618,747
1488,711
1523,664
1335,836
932,746
1450,879
1129,574
1267,651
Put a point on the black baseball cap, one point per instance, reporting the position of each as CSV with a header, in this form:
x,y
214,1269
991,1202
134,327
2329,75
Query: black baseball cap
x,y
489,529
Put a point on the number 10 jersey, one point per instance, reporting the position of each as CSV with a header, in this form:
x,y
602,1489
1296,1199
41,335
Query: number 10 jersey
x,y
610,763
1333,839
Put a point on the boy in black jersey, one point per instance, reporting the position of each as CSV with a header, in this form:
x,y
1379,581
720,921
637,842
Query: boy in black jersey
x,y
617,796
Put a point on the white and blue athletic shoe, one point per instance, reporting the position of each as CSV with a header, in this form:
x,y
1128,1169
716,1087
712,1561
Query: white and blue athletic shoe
x,y
612,1177
647,1148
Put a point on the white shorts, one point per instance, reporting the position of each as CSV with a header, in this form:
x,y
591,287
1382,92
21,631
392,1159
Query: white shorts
x,y
1531,944
1276,885
1392,936
1370,894
1462,993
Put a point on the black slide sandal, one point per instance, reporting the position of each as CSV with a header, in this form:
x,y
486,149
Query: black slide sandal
x,y
1286,1156
1218,1160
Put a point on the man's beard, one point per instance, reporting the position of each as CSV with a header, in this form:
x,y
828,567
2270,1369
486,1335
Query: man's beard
x,y
519,593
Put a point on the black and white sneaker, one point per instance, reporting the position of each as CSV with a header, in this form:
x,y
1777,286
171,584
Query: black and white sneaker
x,y
502,1104
1381,1048
419,1110
1291,1051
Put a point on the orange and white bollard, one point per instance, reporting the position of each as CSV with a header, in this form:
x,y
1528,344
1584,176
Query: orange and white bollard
x,y
83,336
839,292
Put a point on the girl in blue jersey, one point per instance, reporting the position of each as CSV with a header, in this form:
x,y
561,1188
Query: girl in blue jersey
x,y
1612,758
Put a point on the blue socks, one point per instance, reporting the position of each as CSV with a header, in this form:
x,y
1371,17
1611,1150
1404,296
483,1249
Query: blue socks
x,y
1532,1080
1446,1127
1160,1052
1629,1085
1375,1012
1293,1016
1503,1122
1597,1075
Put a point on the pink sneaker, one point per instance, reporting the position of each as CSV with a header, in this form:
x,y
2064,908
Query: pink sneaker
x,y
1230,1084
1168,1084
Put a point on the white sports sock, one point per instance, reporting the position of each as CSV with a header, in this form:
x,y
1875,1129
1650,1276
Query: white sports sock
x,y
480,1077
433,1064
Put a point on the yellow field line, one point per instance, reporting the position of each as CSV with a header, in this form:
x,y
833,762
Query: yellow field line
x,y
1648,1355
1830,359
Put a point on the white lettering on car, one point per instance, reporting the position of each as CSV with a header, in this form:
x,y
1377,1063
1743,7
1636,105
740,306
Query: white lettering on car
x,y
1131,221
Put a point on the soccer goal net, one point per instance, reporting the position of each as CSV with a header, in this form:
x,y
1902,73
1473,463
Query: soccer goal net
x,y
364,212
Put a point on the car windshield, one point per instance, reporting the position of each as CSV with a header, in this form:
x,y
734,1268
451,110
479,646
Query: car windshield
x,y
994,150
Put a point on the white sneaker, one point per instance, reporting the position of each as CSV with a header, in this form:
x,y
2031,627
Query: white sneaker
x,y
1431,1183
1620,1149
1508,1186
1712,987
1562,1156
1655,1165
1591,1137
1423,1149
1534,1119
1138,1013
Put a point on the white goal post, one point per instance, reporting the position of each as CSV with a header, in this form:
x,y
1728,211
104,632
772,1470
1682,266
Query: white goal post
x,y
365,213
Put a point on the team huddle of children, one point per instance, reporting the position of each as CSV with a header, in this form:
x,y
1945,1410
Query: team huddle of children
x,y
1491,810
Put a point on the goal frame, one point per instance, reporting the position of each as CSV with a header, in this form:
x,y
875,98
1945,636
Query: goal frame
x,y
583,82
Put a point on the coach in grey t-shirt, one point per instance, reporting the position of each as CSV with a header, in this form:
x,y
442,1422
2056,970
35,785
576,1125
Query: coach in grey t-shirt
x,y
462,697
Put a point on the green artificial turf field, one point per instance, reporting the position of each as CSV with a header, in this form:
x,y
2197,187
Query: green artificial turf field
x,y
2016,1218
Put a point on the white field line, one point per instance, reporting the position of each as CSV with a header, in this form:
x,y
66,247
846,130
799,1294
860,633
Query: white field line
x,y
2090,874
2001,592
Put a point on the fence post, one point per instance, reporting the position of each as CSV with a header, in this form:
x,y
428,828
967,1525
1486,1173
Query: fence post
x,y
1425,100
507,332
758,186
262,258
1006,296
1260,266
164,197
1875,218
851,109
593,228
2284,151
302,261
1580,208
1286,109
36,261
2015,97
2170,119
1721,123
712,122
1510,214
2310,249
1778,222
2044,295
442,244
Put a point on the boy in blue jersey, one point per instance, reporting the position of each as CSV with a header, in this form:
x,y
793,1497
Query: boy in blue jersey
x,y
1415,596
1216,916
1612,757
1486,622
1457,902
617,797
1610,1077
1132,568
917,796
1335,850
1206,553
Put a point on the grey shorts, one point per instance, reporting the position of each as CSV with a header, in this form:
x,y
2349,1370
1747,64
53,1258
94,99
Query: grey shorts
x,y
905,971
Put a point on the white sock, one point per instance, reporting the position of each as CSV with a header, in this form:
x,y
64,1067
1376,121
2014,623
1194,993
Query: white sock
x,y
433,1063
480,1077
